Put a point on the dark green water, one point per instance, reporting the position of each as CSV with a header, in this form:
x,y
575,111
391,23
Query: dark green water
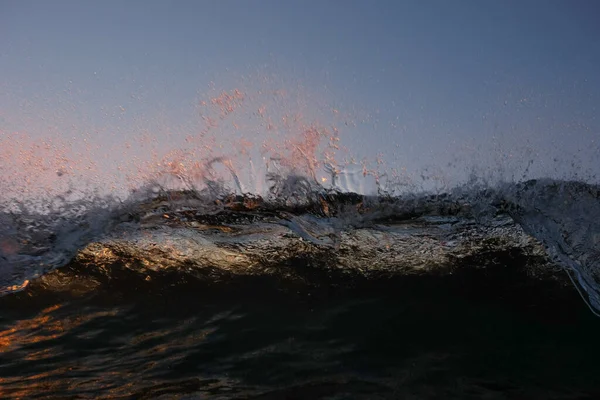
x,y
487,333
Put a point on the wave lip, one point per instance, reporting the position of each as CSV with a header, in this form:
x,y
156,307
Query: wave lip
x,y
344,232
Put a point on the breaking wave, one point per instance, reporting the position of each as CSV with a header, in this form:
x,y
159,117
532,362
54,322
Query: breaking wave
x,y
214,232
247,194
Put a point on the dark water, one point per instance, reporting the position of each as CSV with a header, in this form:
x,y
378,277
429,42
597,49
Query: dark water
x,y
491,333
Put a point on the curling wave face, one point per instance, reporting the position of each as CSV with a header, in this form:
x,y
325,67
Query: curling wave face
x,y
549,223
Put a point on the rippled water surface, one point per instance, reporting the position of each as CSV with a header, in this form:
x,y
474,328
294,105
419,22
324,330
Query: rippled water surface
x,y
479,333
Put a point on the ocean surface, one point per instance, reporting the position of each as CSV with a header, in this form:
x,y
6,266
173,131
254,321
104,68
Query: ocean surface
x,y
477,293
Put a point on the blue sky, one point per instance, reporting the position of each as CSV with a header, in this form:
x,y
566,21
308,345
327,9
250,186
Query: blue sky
x,y
436,80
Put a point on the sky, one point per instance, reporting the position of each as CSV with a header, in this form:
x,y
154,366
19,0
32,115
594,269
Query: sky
x,y
423,85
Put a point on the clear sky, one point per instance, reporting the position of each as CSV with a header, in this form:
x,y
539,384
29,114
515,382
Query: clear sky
x,y
493,83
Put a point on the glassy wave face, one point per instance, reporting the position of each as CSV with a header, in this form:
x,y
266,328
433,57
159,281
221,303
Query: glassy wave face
x,y
305,292
203,234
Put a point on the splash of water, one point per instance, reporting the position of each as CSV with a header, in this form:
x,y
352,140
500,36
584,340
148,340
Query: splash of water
x,y
56,195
